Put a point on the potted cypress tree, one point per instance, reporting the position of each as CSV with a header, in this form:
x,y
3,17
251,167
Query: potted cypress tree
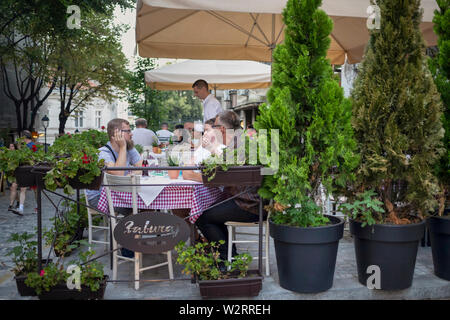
x,y
396,120
316,149
439,226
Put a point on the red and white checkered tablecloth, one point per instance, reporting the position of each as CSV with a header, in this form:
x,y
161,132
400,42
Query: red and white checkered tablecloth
x,y
196,197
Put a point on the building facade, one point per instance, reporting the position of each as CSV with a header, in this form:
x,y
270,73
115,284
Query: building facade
x,y
94,115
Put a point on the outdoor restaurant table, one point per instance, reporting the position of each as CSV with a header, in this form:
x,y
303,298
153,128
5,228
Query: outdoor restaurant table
x,y
176,195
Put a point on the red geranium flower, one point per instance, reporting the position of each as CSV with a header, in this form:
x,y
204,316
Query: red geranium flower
x,y
42,273
85,159
34,148
103,127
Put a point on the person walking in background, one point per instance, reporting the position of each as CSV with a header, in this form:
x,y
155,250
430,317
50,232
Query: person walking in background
x,y
164,134
28,139
142,135
18,208
211,106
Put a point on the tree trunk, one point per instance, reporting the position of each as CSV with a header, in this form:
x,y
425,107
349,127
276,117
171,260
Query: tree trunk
x,y
62,122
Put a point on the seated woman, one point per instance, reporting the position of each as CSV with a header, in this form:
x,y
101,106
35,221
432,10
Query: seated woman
x,y
243,208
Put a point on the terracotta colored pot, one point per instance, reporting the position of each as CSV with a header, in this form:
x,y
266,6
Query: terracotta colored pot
x,y
173,174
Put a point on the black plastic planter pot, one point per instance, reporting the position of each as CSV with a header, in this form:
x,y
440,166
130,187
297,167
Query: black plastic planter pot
x,y
22,288
306,257
61,292
440,245
391,248
94,185
249,286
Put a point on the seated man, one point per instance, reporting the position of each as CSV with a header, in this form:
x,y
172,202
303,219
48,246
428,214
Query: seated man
x,y
244,208
118,152
143,136
164,134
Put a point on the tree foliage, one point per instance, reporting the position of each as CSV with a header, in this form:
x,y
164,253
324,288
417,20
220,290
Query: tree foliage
x,y
90,64
159,106
308,107
30,33
396,115
440,68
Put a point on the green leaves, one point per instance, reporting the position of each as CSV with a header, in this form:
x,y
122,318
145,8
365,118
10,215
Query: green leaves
x,y
55,273
158,106
24,255
305,215
367,209
11,159
308,107
203,260
75,156
396,114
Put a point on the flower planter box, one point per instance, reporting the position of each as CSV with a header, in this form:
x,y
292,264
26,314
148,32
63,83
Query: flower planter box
x,y
235,176
249,286
94,185
22,288
29,176
61,292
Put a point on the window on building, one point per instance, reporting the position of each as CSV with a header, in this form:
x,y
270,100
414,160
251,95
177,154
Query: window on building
x,y
98,119
78,119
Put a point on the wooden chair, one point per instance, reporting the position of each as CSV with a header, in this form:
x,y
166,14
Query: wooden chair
x,y
117,181
232,225
93,228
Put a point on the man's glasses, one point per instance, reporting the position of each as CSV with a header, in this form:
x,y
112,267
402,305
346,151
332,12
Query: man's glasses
x,y
127,131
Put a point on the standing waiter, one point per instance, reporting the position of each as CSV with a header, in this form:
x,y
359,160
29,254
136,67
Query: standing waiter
x,y
211,106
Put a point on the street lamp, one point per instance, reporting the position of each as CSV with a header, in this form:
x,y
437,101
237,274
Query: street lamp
x,y
45,121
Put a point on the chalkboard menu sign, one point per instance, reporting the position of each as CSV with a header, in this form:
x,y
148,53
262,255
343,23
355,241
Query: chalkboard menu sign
x,y
151,232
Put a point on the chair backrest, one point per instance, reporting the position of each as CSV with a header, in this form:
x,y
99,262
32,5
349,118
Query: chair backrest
x,y
122,184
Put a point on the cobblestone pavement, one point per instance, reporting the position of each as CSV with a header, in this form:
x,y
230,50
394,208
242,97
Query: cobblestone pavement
x,y
346,286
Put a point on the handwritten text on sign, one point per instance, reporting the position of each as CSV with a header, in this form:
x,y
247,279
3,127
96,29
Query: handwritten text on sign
x,y
151,232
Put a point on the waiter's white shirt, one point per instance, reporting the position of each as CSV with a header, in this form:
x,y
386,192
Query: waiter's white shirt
x,y
211,107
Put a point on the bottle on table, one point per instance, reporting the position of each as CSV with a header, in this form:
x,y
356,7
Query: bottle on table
x,y
145,164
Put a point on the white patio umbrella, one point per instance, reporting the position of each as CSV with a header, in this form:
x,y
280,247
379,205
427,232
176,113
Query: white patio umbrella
x,y
220,75
248,30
